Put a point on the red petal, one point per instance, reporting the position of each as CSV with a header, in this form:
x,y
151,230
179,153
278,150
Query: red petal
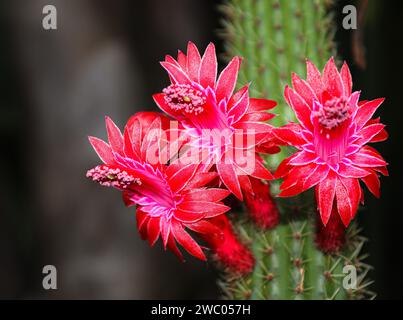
x,y
261,104
160,101
182,60
114,136
369,132
381,136
208,209
348,194
366,111
179,179
303,89
315,176
350,171
188,216
211,194
177,74
314,78
229,178
227,80
201,179
332,80
373,184
103,150
204,227
193,61
239,108
300,107
186,241
289,136
347,79
153,230
325,195
258,116
172,246
208,67
366,158
261,172
302,158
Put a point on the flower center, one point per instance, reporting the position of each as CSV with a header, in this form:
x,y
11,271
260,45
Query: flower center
x,y
185,97
333,113
112,177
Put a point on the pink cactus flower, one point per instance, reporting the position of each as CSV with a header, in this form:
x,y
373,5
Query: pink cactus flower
x,y
204,104
169,198
331,137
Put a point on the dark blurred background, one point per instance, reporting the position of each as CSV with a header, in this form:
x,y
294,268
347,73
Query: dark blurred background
x,y
56,88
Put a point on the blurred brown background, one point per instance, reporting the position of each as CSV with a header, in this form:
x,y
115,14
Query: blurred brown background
x,y
56,88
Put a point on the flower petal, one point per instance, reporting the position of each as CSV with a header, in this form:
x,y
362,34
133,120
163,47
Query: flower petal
x,y
301,109
227,79
229,178
210,194
314,78
193,61
347,79
115,137
103,150
186,241
177,74
206,208
366,111
348,195
332,79
303,89
373,184
325,194
208,67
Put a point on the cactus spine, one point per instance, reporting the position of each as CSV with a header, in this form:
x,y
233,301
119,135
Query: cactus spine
x,y
275,37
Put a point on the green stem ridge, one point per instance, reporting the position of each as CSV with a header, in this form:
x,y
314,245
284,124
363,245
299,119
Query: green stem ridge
x,y
275,37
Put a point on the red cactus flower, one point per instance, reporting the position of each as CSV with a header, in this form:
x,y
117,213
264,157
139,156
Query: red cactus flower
x,y
227,249
331,138
169,198
227,126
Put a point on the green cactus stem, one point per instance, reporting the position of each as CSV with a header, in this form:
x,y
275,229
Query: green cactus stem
x,y
275,37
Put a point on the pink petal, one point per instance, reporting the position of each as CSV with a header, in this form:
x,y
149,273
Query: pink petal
x,y
314,78
182,60
177,74
347,79
227,79
193,61
103,150
208,67
258,116
229,178
332,80
114,136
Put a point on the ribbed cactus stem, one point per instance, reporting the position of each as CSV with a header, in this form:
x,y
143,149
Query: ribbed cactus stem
x,y
275,37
